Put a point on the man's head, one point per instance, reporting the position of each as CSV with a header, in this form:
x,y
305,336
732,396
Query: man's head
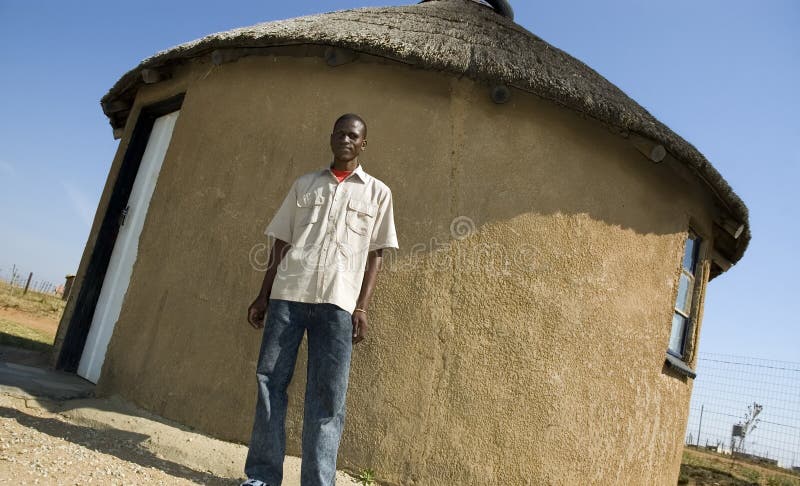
x,y
349,137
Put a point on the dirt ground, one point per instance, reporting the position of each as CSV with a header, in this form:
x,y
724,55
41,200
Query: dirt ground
x,y
101,441
40,323
41,447
110,442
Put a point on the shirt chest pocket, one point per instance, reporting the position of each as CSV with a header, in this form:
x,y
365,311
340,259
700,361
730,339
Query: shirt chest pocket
x,y
309,207
360,216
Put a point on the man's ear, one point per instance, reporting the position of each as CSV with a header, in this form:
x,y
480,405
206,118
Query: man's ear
x,y
364,145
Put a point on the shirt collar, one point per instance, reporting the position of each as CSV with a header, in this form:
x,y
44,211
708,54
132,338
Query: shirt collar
x,y
358,171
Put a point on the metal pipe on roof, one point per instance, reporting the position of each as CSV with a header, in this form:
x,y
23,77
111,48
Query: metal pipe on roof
x,y
502,7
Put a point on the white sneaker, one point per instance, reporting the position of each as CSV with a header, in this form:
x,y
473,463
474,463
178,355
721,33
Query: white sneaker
x,y
253,482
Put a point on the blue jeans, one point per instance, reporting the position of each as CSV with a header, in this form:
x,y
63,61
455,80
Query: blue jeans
x,y
330,334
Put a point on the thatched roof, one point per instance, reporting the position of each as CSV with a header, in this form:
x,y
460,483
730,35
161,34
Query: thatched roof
x,y
464,38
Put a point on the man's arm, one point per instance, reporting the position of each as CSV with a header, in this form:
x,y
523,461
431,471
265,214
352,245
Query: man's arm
x,y
258,309
374,262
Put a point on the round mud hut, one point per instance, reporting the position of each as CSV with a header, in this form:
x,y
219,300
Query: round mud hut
x,y
538,325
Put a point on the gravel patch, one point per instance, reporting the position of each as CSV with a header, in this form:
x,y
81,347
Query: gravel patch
x,y
110,442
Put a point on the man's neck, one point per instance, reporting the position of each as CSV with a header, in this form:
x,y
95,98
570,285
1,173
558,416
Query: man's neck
x,y
345,165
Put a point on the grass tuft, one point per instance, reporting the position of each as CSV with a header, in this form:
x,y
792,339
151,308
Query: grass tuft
x,y
706,467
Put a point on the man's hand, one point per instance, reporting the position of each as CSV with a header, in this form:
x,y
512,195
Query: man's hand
x,y
257,311
359,326
374,261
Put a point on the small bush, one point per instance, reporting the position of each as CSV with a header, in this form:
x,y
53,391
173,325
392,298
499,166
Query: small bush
x,y
366,477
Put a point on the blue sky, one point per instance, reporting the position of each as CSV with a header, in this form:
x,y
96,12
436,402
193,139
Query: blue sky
x,y
722,74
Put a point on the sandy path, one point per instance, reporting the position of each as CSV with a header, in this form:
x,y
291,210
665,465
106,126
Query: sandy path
x,y
40,323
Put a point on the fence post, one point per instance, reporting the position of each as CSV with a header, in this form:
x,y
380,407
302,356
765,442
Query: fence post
x,y
700,425
30,276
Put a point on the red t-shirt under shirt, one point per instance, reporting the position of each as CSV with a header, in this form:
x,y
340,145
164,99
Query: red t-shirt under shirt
x,y
341,174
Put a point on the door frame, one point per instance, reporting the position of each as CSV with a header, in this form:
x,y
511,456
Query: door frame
x,y
86,301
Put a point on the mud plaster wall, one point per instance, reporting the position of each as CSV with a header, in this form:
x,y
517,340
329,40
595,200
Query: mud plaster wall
x,y
526,342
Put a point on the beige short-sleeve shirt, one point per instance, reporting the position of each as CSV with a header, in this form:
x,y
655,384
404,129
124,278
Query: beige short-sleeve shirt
x,y
331,226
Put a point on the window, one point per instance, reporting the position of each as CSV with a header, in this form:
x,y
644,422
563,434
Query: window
x,y
682,315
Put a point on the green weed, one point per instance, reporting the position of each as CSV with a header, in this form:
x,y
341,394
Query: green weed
x,y
366,477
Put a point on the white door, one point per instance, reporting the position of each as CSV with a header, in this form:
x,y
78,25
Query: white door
x,y
123,256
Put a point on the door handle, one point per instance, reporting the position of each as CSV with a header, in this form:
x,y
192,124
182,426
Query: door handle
x,y
123,215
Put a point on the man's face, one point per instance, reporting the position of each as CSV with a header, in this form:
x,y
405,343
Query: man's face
x,y
348,140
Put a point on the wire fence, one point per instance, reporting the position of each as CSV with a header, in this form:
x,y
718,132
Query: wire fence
x,y
748,407
17,278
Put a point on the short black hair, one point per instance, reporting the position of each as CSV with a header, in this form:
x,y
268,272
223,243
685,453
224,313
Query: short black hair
x,y
352,116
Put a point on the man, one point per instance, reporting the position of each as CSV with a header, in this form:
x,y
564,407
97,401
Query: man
x,y
329,235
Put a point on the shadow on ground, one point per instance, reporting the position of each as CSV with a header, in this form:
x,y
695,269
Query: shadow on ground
x,y
125,445
12,343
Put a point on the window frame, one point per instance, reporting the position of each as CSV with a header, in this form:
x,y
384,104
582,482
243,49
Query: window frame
x,y
686,312
680,360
